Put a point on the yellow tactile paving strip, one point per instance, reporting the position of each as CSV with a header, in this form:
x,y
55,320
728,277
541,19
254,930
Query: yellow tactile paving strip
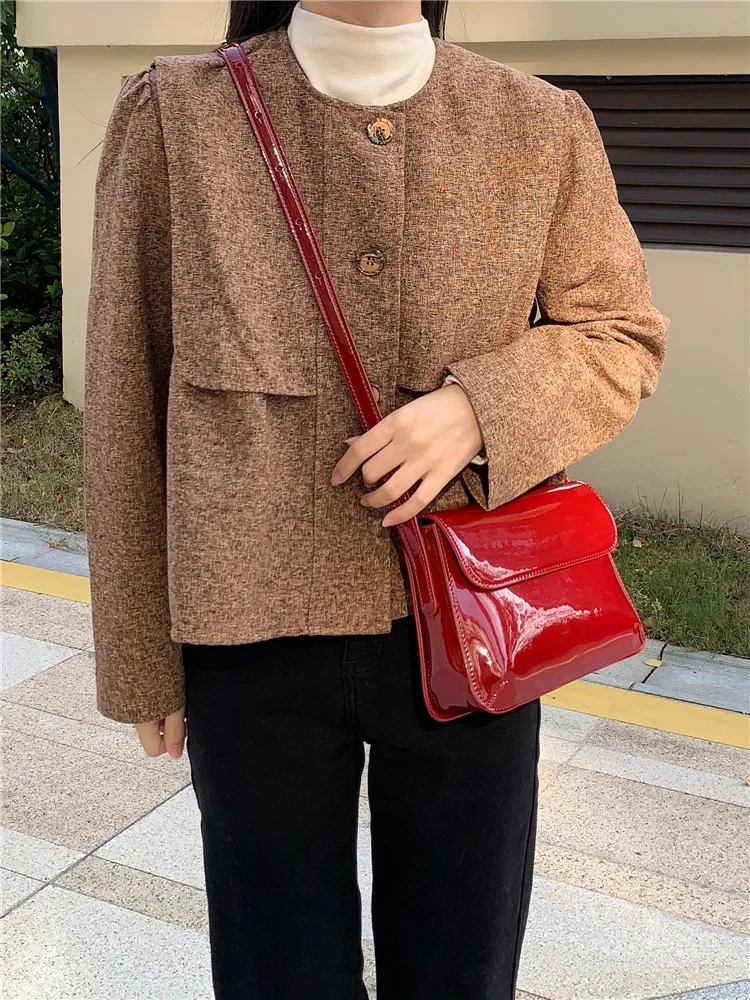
x,y
654,712
45,581
635,707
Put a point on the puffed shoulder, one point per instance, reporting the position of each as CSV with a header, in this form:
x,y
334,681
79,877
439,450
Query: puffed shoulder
x,y
193,61
133,148
506,88
190,67
540,109
585,146
134,116
581,117
136,88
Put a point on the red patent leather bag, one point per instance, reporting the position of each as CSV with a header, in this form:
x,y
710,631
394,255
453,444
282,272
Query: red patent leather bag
x,y
511,603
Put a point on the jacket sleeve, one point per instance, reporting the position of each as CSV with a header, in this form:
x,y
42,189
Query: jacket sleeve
x,y
139,674
573,382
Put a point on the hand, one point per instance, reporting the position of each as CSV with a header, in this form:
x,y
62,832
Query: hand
x,y
427,441
163,735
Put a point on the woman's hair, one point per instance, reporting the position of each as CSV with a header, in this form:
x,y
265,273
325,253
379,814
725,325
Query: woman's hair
x,y
254,17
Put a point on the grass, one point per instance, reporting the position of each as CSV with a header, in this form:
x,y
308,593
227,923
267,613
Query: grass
x,y
42,463
689,581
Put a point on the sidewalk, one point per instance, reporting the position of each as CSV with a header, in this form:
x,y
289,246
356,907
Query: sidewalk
x,y
641,887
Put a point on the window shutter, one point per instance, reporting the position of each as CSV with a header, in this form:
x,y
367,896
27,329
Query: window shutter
x,y
680,153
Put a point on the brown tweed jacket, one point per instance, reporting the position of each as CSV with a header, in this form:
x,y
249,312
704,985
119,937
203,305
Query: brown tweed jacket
x,y
215,411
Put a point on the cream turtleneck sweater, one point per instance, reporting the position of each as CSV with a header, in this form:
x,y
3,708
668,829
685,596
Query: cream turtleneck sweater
x,y
361,65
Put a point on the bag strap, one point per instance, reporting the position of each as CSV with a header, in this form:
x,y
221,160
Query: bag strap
x,y
337,326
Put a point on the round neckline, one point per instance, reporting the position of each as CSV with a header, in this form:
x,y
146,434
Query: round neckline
x,y
282,39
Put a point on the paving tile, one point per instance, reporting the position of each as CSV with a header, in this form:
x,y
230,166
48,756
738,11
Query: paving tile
x,y
646,827
364,811
72,797
555,750
368,951
655,772
53,619
119,742
562,724
166,842
61,945
685,899
157,897
364,874
702,678
727,991
67,689
23,657
583,945
701,755
548,772
628,672
14,888
34,857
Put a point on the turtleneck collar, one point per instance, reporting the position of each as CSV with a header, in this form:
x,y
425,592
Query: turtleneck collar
x,y
360,65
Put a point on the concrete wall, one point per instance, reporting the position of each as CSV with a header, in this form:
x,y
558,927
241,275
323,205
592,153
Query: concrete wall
x,y
691,443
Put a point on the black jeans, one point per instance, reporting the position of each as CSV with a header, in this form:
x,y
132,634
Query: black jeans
x,y
275,740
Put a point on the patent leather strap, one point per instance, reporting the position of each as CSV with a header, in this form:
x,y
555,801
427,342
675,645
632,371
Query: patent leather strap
x,y
321,283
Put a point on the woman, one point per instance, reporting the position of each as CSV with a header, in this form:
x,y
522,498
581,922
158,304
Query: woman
x,y
241,561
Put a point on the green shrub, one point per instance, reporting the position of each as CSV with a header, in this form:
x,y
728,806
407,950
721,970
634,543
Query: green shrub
x,y
26,366
30,228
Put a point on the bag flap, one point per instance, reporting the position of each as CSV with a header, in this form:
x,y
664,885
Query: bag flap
x,y
542,531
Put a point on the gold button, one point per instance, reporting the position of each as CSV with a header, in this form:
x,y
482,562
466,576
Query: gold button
x,y
371,261
380,131
375,392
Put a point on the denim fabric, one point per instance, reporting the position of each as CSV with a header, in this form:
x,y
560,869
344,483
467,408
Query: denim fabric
x,y
276,734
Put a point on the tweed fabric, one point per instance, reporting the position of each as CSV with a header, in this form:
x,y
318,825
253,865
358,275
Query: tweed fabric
x,y
215,410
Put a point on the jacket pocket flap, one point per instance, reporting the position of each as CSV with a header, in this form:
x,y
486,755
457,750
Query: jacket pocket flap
x,y
542,531
223,363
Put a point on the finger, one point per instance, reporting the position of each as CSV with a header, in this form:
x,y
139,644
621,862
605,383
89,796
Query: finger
x,y
425,492
381,464
174,733
364,447
149,733
402,480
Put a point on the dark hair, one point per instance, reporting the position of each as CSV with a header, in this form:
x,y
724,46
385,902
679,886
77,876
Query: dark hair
x,y
254,17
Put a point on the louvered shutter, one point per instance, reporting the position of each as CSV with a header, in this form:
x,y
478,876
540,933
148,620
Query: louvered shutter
x,y
680,152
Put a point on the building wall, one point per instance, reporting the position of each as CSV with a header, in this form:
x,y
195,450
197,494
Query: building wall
x,y
690,444
201,22
576,20
622,56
